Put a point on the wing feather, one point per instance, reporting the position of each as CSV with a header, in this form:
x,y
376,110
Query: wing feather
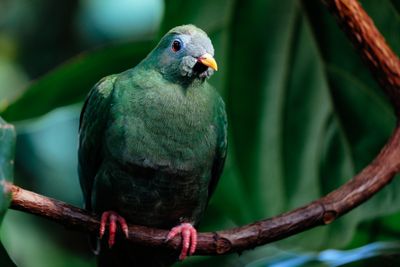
x,y
92,124
222,145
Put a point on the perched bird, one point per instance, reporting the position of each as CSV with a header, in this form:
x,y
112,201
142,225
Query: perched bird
x,y
152,145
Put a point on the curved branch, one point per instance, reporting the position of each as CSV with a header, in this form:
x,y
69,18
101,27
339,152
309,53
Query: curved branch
x,y
369,42
385,66
322,211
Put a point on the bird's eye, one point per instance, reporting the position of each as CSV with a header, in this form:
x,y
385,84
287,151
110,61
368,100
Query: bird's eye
x,y
176,45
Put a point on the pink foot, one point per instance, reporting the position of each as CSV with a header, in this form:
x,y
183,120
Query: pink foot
x,y
189,238
112,217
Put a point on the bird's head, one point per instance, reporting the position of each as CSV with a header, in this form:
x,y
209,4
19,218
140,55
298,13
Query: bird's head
x,y
185,52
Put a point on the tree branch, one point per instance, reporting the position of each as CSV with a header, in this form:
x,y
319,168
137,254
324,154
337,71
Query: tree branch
x,y
385,66
322,211
369,42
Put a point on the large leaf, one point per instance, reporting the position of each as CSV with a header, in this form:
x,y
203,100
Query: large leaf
x,y
71,82
305,113
7,146
4,258
12,81
43,163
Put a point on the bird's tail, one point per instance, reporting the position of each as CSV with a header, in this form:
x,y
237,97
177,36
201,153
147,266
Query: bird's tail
x,y
124,254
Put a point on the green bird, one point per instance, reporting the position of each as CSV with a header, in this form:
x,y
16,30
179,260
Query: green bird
x,y
152,145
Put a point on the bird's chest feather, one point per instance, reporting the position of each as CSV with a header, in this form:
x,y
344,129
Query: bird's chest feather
x,y
165,128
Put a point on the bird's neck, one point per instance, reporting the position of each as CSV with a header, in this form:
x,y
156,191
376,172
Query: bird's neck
x,y
187,82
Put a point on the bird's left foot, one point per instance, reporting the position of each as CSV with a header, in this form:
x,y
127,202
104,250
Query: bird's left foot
x,y
189,238
113,218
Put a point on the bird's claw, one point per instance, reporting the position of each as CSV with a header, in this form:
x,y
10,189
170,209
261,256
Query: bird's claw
x,y
112,217
189,238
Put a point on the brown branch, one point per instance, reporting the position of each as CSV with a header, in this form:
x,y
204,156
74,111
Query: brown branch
x,y
323,211
369,42
385,66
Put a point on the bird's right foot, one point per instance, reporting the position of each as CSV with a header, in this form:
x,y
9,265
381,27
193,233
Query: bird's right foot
x,y
189,238
112,218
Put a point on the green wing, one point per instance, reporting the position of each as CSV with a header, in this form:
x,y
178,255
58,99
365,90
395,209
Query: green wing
x,y
92,124
222,145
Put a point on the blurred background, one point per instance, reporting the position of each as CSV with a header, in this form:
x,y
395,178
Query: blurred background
x,y
304,113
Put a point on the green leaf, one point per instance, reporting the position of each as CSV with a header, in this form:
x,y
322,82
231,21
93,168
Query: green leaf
x,y
54,158
255,99
71,82
4,258
305,115
13,80
7,147
204,14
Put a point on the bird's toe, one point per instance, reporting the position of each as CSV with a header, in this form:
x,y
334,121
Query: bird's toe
x,y
189,238
113,219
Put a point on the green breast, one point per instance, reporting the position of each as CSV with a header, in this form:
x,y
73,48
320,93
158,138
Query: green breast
x,y
162,124
161,144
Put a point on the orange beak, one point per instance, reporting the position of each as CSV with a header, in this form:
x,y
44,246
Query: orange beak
x,y
209,61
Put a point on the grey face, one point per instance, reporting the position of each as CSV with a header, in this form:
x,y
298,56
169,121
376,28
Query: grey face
x,y
190,50
188,54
